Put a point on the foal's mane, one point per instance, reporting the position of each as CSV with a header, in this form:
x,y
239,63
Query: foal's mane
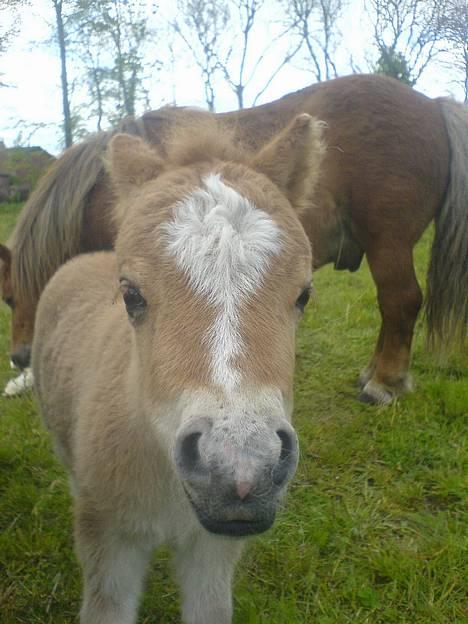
x,y
48,230
201,139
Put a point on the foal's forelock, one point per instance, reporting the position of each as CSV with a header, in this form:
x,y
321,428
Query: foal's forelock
x,y
224,245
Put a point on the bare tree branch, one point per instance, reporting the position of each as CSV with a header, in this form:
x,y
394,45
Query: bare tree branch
x,y
453,27
314,23
407,31
9,21
219,35
201,25
287,58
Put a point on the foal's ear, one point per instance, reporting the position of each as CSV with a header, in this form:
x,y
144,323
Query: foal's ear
x,y
131,162
5,256
292,158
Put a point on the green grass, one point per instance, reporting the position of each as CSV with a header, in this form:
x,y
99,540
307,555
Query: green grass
x,y
373,531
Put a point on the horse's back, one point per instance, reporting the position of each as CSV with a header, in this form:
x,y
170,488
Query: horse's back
x,y
371,120
77,321
385,141
387,158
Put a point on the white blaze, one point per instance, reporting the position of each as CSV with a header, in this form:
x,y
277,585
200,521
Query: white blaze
x,y
223,243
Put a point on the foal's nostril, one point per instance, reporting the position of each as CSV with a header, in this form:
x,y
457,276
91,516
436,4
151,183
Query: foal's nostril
x,y
287,443
287,458
189,453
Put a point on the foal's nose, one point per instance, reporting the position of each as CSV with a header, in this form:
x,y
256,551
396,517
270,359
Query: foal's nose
x,y
235,470
21,357
265,463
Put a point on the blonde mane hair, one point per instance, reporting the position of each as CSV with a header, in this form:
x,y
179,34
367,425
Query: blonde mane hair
x,y
205,139
58,205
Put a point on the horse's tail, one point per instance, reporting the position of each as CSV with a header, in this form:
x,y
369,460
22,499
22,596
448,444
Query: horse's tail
x,y
49,228
447,287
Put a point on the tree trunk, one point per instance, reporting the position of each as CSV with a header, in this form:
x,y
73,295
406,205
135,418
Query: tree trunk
x,y
99,97
240,96
67,123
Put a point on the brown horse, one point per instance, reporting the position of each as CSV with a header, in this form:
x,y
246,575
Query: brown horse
x,y
171,404
395,161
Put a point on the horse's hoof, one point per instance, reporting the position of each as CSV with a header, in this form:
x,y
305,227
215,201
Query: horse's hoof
x,y
375,394
19,385
363,397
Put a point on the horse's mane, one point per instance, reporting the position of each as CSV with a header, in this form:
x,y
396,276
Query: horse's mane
x,y
48,230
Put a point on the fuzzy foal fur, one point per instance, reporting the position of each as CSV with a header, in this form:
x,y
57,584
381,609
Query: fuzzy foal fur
x,y
174,423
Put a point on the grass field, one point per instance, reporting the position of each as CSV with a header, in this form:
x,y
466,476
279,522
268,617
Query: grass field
x,y
373,531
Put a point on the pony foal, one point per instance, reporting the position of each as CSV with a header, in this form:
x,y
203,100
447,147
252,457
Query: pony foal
x,y
170,405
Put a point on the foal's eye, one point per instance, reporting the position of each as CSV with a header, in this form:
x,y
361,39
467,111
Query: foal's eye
x,y
303,299
133,299
9,301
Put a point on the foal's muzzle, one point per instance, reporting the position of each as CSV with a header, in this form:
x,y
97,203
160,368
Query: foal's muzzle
x,y
234,481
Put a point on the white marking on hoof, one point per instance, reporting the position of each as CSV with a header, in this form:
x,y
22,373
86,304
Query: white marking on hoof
x,y
365,376
373,392
19,385
376,393
407,384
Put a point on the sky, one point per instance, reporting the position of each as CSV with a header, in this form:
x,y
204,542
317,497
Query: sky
x,y
32,68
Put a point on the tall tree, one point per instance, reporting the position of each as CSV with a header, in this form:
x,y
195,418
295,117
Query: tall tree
x,y
62,44
9,24
453,28
126,23
315,24
9,21
393,63
202,26
111,40
405,31
241,68
219,34
247,12
89,50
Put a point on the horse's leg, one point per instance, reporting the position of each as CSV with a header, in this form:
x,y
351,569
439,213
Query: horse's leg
x,y
400,299
205,568
113,571
369,370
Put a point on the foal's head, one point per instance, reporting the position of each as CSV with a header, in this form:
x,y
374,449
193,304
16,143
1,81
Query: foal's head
x,y
215,271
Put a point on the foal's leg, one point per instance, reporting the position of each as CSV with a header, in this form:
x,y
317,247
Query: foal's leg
x,y
205,567
113,572
400,300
